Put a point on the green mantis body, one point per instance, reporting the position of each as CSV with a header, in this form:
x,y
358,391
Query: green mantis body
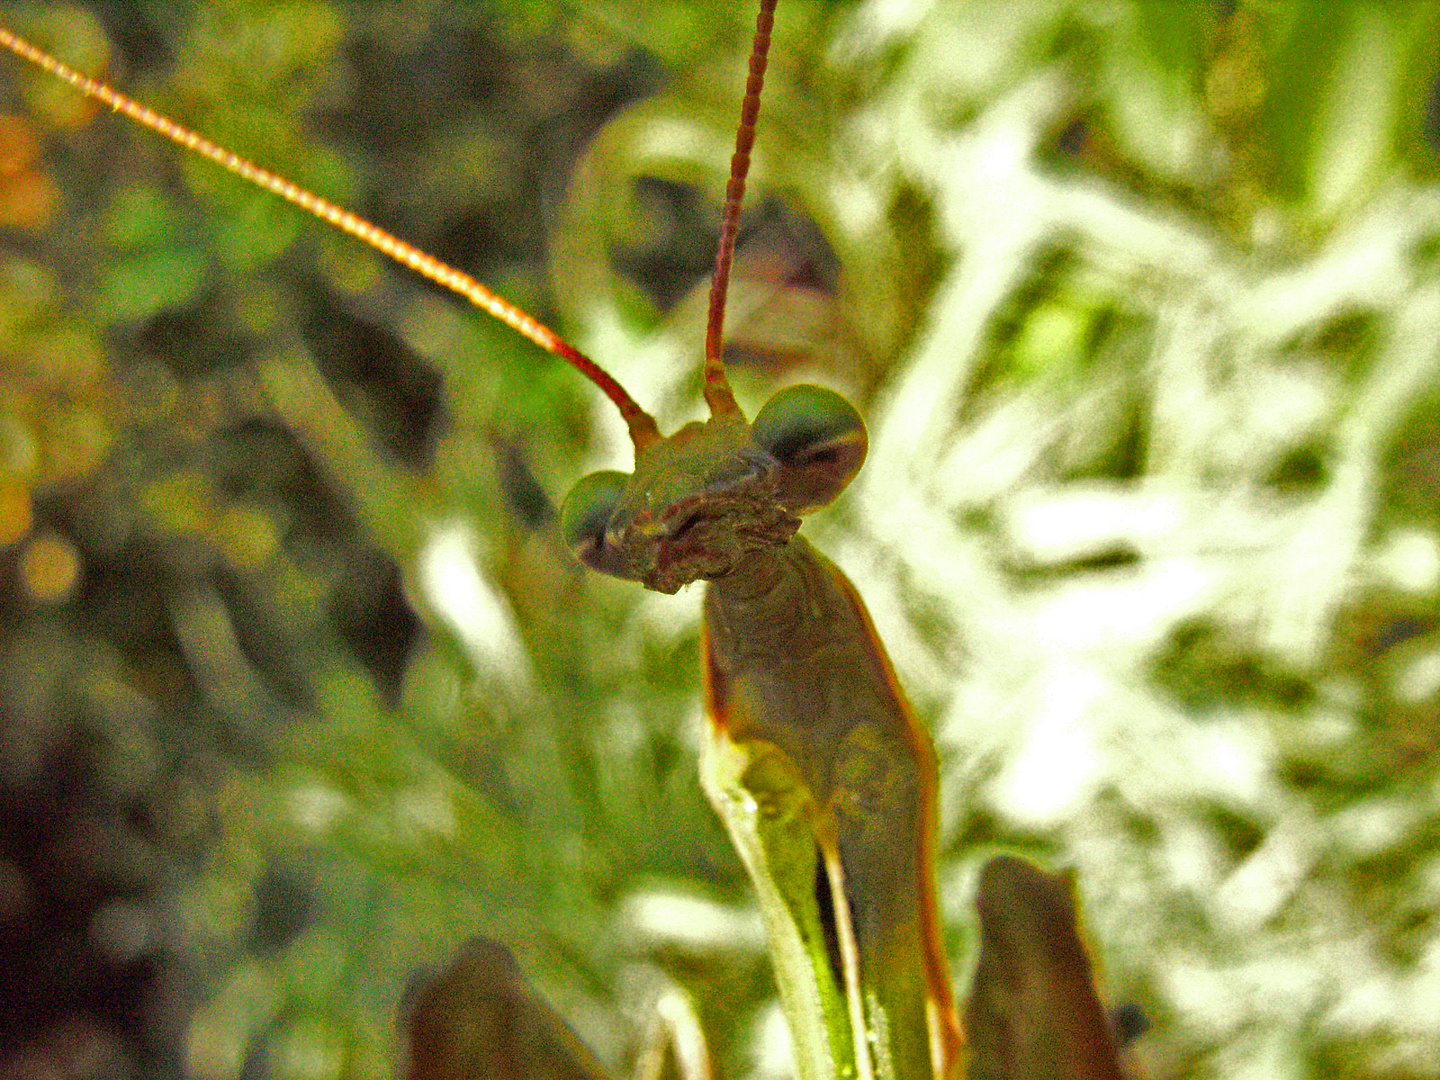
x,y
795,674
770,654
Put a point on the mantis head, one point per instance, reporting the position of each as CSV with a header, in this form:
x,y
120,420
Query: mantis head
x,y
706,498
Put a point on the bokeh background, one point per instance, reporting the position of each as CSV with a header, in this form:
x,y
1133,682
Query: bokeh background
x,y
300,690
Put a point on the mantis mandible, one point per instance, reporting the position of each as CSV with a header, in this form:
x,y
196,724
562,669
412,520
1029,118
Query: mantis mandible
x,y
823,775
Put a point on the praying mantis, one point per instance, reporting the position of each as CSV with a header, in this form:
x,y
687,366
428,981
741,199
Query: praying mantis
x,y
832,809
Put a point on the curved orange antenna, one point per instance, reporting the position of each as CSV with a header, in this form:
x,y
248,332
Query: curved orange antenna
x,y
717,387
643,429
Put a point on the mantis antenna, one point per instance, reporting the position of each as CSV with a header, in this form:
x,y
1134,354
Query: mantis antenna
x,y
717,386
643,429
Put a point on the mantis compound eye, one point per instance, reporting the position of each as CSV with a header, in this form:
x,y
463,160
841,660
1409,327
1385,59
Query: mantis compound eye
x,y
585,518
819,440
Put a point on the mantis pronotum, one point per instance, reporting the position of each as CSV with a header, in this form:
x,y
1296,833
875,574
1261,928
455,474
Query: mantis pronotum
x,y
850,875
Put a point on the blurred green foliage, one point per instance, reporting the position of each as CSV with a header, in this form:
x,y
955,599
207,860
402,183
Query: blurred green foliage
x,y
1138,297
